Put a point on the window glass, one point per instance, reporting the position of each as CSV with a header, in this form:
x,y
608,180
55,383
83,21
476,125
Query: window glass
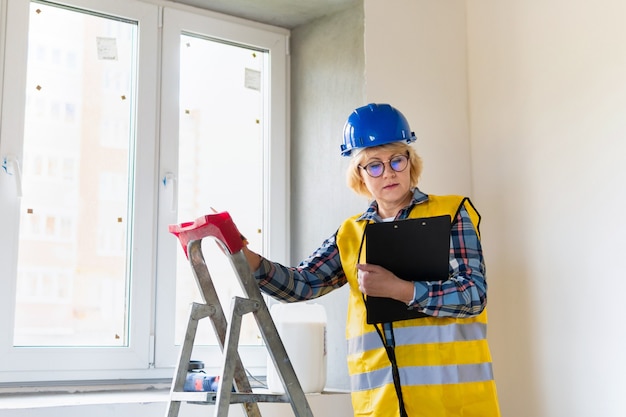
x,y
73,247
220,162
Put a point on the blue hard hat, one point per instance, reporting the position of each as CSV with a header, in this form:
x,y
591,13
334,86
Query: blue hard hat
x,y
374,125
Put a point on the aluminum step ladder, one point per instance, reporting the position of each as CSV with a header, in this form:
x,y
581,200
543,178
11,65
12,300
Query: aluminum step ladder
x,y
220,227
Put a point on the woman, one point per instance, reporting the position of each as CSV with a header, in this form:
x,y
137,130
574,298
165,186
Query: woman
x,y
436,365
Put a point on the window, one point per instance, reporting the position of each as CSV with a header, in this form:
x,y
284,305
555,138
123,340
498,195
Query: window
x,y
225,108
97,161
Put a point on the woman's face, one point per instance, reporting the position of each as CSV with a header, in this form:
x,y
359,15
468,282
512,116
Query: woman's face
x,y
392,188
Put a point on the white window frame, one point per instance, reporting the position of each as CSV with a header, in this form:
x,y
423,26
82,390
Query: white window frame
x,y
151,352
275,178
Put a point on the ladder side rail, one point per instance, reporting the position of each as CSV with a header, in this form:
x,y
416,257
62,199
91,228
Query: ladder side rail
x,y
196,312
207,290
218,319
269,332
239,307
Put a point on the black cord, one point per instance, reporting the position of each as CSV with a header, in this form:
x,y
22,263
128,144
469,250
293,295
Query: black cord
x,y
391,354
390,349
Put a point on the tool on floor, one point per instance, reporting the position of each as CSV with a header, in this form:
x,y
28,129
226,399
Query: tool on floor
x,y
220,227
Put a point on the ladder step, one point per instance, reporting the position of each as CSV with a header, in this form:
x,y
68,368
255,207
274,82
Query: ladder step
x,y
235,397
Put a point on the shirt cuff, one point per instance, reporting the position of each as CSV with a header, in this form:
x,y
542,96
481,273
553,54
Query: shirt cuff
x,y
419,290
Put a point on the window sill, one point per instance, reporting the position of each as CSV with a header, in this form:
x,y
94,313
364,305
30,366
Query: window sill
x,y
118,396
61,399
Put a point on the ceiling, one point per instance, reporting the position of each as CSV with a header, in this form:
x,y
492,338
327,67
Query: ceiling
x,y
284,13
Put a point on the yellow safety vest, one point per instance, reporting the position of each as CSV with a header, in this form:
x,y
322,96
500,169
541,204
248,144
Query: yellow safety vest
x,y
444,363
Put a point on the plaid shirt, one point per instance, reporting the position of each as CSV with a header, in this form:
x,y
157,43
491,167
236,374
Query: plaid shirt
x,y
464,294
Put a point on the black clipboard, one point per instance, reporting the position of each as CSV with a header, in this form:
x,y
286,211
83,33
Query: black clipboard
x,y
414,250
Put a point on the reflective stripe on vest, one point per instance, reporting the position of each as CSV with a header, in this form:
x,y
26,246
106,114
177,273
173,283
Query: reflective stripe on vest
x,y
427,334
424,375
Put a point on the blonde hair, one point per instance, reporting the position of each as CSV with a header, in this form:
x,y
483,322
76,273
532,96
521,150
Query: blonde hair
x,y
353,176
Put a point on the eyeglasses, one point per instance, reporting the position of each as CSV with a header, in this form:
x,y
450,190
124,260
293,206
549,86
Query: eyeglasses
x,y
376,168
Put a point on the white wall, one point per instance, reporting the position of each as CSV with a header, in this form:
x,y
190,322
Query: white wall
x,y
415,59
548,102
547,105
